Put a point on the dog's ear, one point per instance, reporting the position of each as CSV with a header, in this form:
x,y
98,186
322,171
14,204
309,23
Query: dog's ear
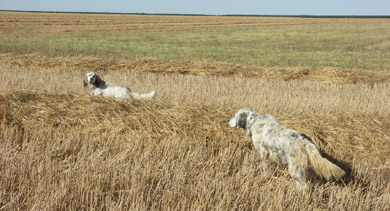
x,y
85,82
97,81
242,119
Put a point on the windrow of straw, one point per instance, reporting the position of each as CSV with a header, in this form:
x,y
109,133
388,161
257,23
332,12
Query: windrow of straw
x,y
329,75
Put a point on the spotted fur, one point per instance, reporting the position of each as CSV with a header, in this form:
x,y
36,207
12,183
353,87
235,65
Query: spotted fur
x,y
284,147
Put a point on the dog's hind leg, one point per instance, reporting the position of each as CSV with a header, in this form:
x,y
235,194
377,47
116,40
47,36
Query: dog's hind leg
x,y
297,173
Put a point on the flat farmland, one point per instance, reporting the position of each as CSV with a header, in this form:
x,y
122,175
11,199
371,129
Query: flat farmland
x,y
62,23
64,149
265,42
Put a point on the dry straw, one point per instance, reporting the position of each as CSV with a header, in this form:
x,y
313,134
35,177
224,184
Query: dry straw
x,y
70,151
62,149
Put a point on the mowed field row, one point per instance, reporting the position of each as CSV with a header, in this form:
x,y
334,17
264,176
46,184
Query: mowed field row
x,y
61,148
327,75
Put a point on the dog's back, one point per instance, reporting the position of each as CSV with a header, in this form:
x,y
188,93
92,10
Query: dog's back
x,y
113,90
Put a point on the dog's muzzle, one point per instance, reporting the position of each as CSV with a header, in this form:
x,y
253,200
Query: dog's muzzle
x,y
232,122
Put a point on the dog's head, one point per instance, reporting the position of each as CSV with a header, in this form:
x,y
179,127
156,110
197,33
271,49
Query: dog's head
x,y
92,78
240,119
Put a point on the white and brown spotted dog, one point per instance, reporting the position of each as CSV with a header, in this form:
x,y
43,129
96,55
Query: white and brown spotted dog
x,y
106,89
282,146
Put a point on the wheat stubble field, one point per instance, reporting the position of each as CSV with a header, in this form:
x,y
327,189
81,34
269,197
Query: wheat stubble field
x,y
62,149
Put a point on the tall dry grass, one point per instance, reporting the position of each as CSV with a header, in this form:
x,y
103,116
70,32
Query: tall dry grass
x,y
64,149
271,96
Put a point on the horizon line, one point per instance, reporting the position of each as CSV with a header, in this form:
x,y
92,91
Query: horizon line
x,y
195,14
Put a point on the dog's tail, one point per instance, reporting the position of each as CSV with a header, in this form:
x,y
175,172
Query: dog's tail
x,y
138,96
321,165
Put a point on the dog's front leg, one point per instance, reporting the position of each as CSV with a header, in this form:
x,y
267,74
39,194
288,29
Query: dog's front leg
x,y
264,155
263,151
97,91
248,134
